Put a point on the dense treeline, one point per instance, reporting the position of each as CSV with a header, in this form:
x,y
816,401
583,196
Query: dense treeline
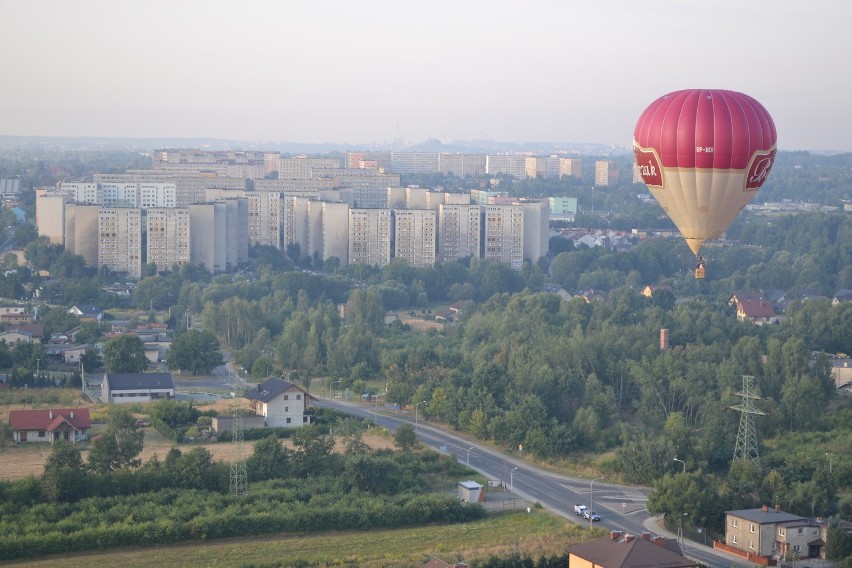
x,y
76,506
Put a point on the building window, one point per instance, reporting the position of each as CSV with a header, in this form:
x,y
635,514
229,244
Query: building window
x,y
288,420
780,531
801,531
751,528
41,433
286,397
734,523
286,409
298,397
751,545
734,539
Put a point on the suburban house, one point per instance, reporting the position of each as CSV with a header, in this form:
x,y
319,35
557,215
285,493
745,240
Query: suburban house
x,y
764,534
67,353
758,312
841,370
280,402
628,551
15,315
451,313
86,312
123,388
35,329
71,424
843,295
558,291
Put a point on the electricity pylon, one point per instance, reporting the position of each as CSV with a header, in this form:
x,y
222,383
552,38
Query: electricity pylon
x,y
746,448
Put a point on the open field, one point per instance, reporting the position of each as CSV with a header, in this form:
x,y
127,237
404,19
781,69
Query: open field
x,y
535,534
17,462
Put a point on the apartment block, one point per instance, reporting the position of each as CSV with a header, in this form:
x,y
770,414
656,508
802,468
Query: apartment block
x,y
369,160
504,234
113,195
536,229
414,162
50,214
302,167
606,173
414,236
168,238
335,231
81,192
157,194
571,167
265,215
207,233
459,230
506,164
370,236
81,231
462,165
120,240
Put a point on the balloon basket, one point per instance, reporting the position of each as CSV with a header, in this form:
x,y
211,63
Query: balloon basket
x,y
699,273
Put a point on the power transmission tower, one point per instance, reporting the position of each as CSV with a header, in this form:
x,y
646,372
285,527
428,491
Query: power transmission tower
x,y
746,448
239,480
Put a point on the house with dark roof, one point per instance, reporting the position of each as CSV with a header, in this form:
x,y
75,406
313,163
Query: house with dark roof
x,y
753,534
51,425
842,296
620,550
280,402
123,388
86,312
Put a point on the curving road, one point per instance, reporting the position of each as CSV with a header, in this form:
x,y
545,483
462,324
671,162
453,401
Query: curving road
x,y
621,507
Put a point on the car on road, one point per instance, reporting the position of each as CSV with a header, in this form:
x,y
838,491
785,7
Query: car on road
x,y
593,514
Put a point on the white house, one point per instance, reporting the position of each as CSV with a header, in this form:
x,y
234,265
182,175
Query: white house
x,y
280,402
123,388
50,425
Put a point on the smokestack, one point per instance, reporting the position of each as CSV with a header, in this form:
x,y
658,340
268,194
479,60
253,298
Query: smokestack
x,y
50,414
659,541
765,508
614,535
72,415
777,508
629,537
646,536
664,339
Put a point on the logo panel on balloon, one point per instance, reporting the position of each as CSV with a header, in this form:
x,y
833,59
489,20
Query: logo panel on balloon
x,y
649,166
758,170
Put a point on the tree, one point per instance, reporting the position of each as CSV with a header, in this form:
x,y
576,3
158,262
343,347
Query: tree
x,y
119,444
125,354
838,543
405,438
197,351
91,359
269,459
64,477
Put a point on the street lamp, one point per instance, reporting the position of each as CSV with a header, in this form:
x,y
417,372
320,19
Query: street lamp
x,y
683,462
332,384
592,499
468,455
415,413
512,481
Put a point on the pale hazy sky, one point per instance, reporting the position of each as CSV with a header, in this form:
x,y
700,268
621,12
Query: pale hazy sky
x,y
355,71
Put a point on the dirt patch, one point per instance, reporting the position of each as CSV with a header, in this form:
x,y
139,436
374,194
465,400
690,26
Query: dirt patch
x,y
418,324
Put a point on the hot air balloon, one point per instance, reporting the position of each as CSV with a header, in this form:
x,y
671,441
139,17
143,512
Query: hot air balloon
x,y
704,153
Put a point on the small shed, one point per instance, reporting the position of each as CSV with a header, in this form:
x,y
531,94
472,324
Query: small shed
x,y
471,492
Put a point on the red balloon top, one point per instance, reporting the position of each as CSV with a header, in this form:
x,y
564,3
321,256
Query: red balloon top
x,y
705,128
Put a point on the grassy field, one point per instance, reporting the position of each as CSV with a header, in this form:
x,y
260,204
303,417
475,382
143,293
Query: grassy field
x,y
535,534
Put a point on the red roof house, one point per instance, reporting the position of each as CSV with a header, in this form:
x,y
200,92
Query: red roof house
x,y
50,425
758,312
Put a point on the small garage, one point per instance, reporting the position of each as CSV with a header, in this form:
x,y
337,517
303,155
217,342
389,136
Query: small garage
x,y
471,492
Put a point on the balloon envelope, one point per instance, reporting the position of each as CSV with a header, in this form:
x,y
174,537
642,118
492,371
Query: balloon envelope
x,y
704,153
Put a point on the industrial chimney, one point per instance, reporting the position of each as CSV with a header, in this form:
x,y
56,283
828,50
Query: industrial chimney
x,y
664,339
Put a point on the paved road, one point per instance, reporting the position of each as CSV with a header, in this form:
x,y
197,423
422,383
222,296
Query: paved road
x,y
621,507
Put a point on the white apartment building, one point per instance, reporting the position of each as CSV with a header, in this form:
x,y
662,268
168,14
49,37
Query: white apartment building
x,y
81,192
265,215
462,165
168,237
370,236
506,164
536,229
504,234
414,236
459,230
302,167
113,195
120,240
414,162
157,194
